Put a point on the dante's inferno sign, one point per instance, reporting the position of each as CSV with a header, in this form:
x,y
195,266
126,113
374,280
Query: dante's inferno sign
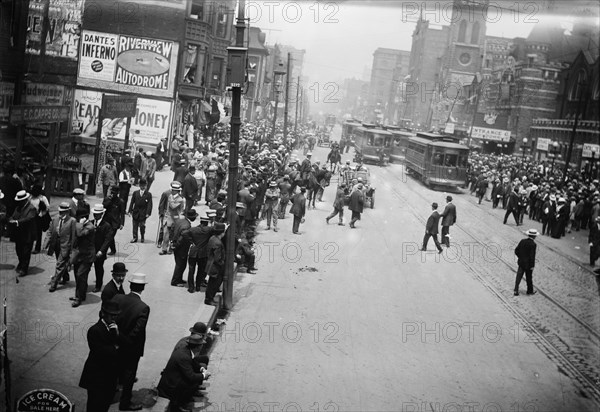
x,y
44,400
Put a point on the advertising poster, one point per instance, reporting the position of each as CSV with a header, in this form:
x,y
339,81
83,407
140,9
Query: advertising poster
x,y
44,94
151,122
64,31
7,93
98,56
128,64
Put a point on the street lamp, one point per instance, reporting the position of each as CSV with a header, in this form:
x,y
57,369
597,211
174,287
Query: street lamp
x,y
277,84
524,146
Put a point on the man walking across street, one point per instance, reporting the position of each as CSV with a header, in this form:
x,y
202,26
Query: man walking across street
x,y
525,252
271,205
59,242
100,372
431,229
150,169
181,246
513,206
190,188
298,209
285,192
132,323
83,256
125,181
140,209
338,205
102,238
448,219
357,201
115,286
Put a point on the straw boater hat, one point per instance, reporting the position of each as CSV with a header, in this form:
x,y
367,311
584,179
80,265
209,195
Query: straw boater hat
x,y
240,205
63,207
98,208
22,195
273,184
138,278
175,185
78,191
532,233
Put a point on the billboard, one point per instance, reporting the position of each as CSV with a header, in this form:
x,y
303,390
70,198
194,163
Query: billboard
x,y
542,144
64,29
151,122
44,94
491,126
128,64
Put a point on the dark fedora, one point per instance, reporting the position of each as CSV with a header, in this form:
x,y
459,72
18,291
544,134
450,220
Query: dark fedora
x,y
191,214
218,228
199,328
119,267
110,307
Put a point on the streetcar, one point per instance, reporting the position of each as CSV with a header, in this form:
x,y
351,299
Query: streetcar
x,y
437,160
348,130
372,145
399,144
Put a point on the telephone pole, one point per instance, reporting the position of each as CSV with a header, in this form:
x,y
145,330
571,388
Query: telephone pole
x,y
287,97
297,104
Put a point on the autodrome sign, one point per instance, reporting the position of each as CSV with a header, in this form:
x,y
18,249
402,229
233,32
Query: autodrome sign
x,y
38,114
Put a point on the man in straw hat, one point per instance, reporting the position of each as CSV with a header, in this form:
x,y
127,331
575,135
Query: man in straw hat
x,y
170,208
182,376
132,323
84,253
271,202
24,229
100,372
102,239
59,242
525,252
115,286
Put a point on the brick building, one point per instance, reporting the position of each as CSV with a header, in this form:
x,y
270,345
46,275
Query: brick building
x,y
257,66
387,68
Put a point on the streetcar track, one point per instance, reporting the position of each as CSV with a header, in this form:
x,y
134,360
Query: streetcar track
x,y
551,346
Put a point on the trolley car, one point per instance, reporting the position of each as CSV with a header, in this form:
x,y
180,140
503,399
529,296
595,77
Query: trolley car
x,y
372,145
437,160
399,145
348,129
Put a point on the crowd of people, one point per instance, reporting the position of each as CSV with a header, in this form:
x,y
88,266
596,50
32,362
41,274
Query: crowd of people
x,y
522,186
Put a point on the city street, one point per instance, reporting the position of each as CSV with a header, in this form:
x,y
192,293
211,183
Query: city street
x,y
343,319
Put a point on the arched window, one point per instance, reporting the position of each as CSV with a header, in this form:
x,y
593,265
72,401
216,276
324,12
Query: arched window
x,y
475,33
462,31
577,86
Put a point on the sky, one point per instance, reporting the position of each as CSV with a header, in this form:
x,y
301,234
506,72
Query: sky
x,y
340,36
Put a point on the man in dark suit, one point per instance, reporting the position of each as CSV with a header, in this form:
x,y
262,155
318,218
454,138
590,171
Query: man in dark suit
x,y
338,205
160,152
180,172
132,326
115,215
198,237
594,241
357,201
115,286
215,264
513,206
24,229
448,219
100,372
102,238
181,246
431,229
140,209
83,255
182,376
59,242
190,188
78,202
525,252
298,209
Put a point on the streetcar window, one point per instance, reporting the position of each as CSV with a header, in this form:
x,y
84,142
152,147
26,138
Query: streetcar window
x,y
370,141
438,159
463,160
451,160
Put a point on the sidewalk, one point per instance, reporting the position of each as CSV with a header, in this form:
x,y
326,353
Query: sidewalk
x,y
47,337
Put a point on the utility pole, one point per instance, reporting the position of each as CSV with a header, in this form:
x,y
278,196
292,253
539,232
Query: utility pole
x,y
474,114
573,133
287,97
297,104
237,63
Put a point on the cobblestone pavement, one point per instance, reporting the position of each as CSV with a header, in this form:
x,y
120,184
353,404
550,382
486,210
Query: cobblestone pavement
x,y
565,312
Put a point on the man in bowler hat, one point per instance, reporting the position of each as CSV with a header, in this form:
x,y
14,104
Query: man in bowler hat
x,y
115,286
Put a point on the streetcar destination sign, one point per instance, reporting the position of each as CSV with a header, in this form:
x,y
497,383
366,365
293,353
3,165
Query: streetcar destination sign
x,y
38,114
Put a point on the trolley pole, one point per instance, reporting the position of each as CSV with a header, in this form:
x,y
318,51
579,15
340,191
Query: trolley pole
x,y
237,62
287,97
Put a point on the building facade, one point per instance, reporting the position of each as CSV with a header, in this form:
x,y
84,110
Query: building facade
x,y
385,71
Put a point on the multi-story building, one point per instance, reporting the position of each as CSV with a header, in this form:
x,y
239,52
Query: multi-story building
x,y
354,93
388,64
427,51
256,71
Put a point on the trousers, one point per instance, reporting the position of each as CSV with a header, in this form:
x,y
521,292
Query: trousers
x,y
99,271
528,278
195,278
82,270
435,240
181,257
62,269
141,224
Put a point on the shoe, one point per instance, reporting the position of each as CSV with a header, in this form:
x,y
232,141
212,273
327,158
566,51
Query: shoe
x,y
532,293
170,252
210,302
423,250
111,253
516,293
142,241
35,252
275,230
179,284
352,226
133,241
130,407
96,290
202,285
52,289
268,228
251,271
162,252
191,290
73,298
341,224
327,220
76,303
440,251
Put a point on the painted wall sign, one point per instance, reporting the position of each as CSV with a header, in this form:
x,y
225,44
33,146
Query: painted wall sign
x,y
44,94
7,94
128,64
64,31
38,114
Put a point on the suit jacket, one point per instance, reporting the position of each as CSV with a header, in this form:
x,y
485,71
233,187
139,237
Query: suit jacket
x,y
163,202
298,208
215,263
103,235
525,252
26,229
180,371
115,211
84,249
141,205
189,187
340,195
513,201
101,367
63,241
594,236
433,223
110,290
179,227
198,237
83,205
357,201
132,323
449,215
180,174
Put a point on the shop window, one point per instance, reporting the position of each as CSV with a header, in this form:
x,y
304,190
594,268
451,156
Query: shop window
x,y
216,73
